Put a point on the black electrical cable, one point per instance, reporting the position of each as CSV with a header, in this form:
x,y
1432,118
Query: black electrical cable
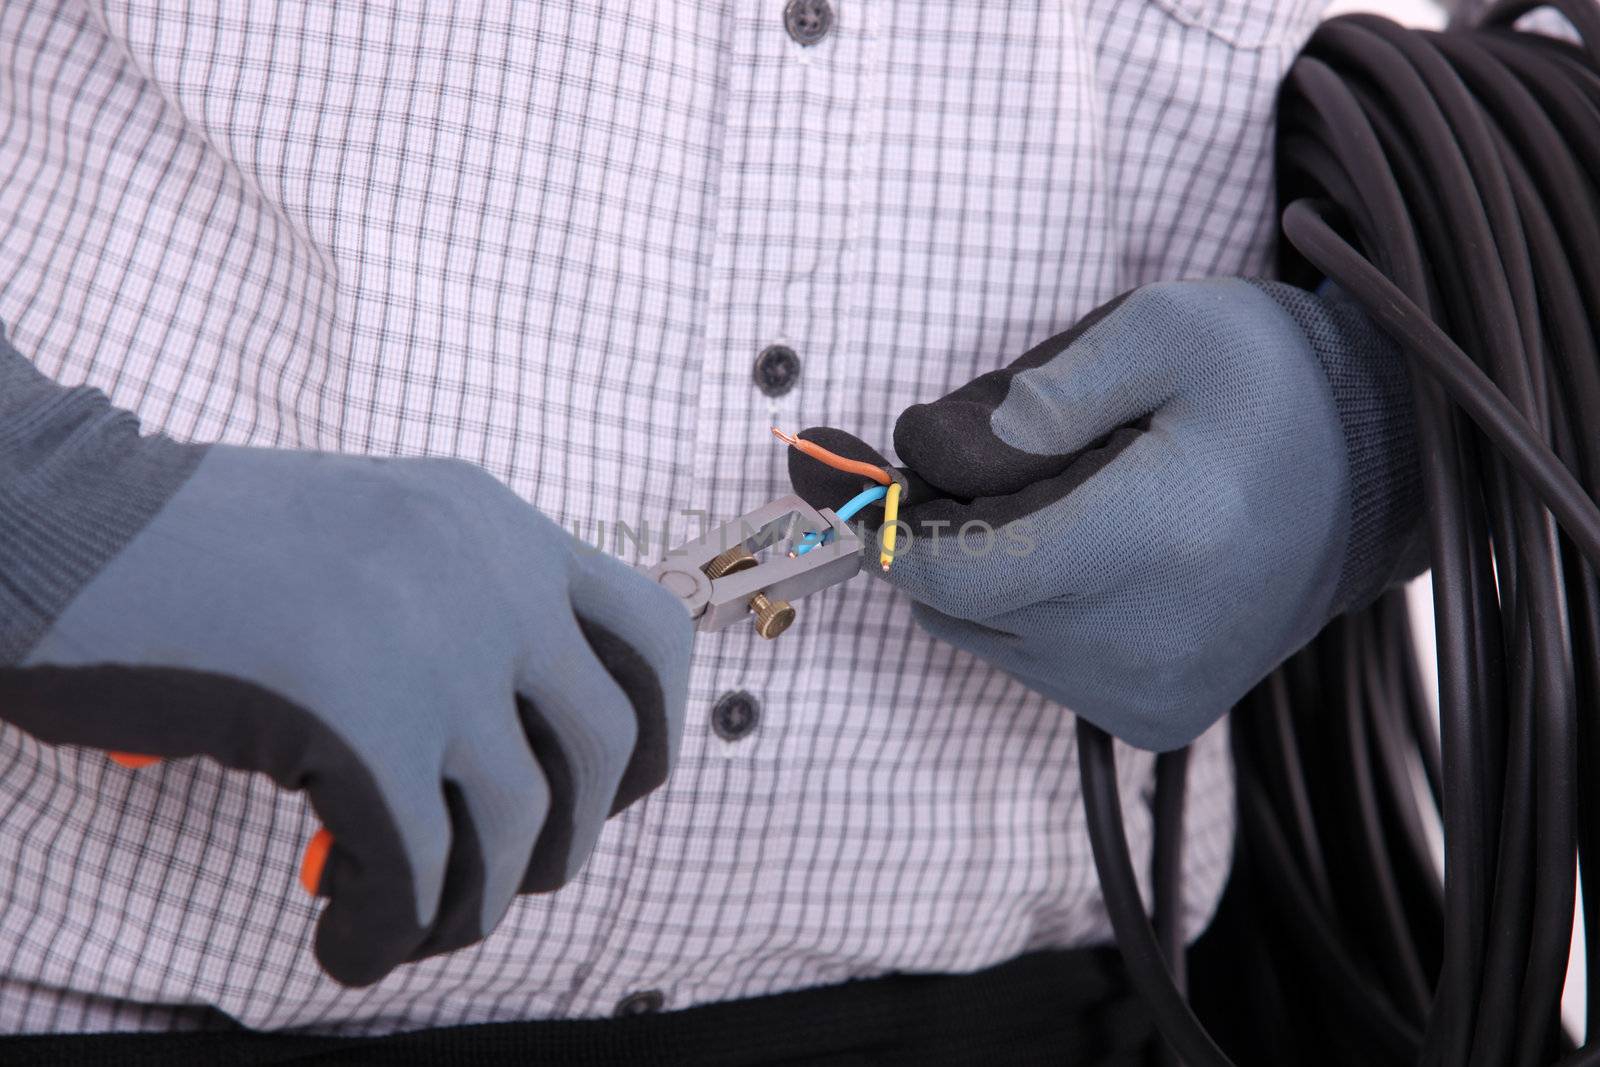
x,y
1166,866
1402,966
1141,951
1166,861
1448,184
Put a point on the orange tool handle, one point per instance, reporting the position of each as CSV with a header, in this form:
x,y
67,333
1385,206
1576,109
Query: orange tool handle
x,y
314,859
311,863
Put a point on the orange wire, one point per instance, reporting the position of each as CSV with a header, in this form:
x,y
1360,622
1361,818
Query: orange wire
x,y
833,459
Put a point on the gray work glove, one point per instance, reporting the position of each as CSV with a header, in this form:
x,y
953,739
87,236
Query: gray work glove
x,y
1161,504
464,691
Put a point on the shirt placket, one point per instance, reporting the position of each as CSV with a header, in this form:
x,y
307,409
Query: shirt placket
x,y
781,343
780,350
777,329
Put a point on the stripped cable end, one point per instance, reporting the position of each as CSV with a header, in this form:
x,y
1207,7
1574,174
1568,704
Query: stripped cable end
x,y
888,486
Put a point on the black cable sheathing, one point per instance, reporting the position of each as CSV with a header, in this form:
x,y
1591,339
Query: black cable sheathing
x,y
1449,184
1166,869
1141,952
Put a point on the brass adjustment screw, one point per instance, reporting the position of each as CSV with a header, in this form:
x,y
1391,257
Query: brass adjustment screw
x,y
772,616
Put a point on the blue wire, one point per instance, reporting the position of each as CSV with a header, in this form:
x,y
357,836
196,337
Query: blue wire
x,y
870,495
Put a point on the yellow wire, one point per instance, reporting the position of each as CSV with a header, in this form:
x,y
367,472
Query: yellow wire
x,y
891,515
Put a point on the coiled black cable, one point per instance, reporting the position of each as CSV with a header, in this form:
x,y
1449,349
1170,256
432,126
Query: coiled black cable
x,y
1448,183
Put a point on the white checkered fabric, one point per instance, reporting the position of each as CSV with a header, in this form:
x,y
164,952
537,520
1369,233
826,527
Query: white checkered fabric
x,y
552,238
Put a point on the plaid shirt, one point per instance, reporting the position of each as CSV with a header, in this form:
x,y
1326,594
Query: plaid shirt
x,y
553,238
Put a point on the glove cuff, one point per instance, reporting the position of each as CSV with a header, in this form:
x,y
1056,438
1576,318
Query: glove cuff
x,y
1387,542
77,483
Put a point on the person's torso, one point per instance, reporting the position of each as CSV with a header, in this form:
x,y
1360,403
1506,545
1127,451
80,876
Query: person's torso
x,y
556,239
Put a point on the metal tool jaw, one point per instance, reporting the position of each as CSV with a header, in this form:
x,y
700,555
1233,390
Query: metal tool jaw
x,y
719,602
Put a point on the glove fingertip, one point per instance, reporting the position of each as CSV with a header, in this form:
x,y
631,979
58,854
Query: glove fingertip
x,y
354,950
917,429
369,925
952,444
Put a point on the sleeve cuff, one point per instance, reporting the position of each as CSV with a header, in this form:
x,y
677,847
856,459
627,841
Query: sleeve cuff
x,y
77,483
1387,542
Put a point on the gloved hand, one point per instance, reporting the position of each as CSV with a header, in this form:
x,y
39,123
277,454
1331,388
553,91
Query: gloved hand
x,y
464,691
1160,504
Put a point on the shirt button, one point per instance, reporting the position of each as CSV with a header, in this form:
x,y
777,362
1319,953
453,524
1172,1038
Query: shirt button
x,y
735,715
777,369
808,21
641,1003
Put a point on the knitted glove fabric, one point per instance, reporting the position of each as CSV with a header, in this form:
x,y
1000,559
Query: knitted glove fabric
x,y
1143,516
463,691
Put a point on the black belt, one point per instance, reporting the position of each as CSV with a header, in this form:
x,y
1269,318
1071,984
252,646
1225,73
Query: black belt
x,y
1062,1008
